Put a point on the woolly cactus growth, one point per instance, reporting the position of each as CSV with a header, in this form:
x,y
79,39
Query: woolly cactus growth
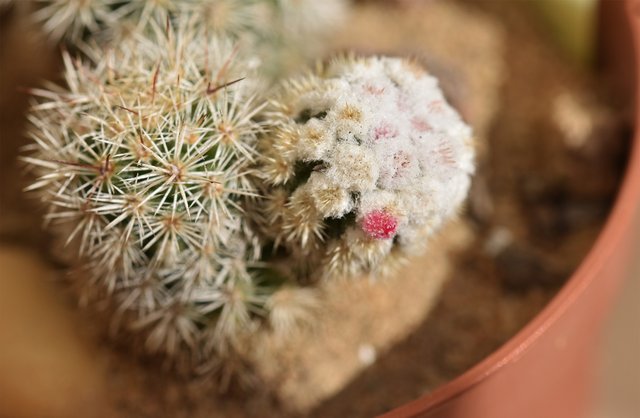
x,y
143,160
367,161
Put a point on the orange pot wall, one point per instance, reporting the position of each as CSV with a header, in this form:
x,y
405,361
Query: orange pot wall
x,y
545,370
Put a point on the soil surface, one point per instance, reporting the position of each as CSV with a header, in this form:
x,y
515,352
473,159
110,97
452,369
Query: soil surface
x,y
552,150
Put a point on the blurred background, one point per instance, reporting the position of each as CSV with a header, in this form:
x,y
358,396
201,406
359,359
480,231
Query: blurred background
x,y
48,368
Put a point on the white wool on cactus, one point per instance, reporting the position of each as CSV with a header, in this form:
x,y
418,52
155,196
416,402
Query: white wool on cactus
x,y
384,149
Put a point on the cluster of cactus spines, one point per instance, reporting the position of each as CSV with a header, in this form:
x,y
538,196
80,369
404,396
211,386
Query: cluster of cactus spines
x,y
365,162
287,32
144,159
73,19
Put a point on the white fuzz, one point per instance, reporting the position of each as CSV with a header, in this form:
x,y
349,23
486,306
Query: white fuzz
x,y
383,150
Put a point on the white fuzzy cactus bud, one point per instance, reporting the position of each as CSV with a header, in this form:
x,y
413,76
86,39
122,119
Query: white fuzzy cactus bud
x,y
367,161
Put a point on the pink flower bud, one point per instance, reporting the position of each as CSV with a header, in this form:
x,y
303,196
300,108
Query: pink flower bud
x,y
379,224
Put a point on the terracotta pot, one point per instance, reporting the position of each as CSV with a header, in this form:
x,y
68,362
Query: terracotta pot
x,y
545,371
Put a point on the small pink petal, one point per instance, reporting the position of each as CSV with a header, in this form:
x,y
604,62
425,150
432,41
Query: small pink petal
x,y
379,224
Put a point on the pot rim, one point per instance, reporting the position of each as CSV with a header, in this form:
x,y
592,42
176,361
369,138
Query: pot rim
x,y
615,227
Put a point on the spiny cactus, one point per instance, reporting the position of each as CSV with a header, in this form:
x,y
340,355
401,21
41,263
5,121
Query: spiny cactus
x,y
72,19
367,160
143,160
287,32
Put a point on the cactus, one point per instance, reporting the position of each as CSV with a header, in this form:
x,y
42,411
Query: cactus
x,y
200,212
283,33
74,19
71,18
143,160
365,162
